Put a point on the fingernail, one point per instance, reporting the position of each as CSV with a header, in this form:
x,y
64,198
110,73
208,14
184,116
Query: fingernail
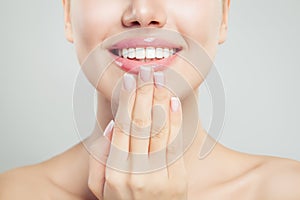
x,y
145,73
175,103
159,79
129,82
108,128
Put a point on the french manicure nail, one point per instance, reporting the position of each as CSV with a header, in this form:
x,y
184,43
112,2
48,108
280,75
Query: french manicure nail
x,y
159,79
175,103
108,128
145,73
129,82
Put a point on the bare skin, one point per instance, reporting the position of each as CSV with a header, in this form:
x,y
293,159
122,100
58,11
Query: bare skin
x,y
223,174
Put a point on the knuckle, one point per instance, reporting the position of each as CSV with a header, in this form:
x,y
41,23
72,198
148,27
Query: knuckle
x,y
140,128
179,188
121,128
158,187
137,183
158,139
159,134
115,181
144,90
141,123
172,149
162,96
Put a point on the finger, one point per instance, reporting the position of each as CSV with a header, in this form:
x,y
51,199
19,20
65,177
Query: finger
x,y
121,135
160,115
176,168
99,151
141,116
118,155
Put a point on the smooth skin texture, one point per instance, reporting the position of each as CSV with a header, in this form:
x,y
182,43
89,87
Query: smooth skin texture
x,y
223,174
167,183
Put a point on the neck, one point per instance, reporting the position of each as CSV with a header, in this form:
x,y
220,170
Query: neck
x,y
61,169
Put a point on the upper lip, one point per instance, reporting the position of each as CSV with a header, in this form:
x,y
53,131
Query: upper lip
x,y
144,42
146,37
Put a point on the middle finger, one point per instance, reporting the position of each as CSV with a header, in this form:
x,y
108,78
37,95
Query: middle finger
x,y
141,114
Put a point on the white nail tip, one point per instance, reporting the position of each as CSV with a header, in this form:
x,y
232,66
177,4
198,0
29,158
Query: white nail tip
x,y
129,82
159,79
145,73
109,128
175,103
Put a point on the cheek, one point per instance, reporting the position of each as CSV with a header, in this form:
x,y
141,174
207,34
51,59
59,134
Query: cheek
x,y
92,22
200,20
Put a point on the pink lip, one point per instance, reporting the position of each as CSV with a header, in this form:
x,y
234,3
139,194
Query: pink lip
x,y
143,42
133,66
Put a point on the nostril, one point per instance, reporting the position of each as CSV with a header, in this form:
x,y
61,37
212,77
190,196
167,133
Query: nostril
x,y
142,15
154,23
135,23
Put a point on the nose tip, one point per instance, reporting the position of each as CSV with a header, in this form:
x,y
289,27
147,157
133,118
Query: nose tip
x,y
144,14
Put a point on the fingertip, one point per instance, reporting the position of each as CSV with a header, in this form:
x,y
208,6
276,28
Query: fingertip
x,y
145,73
129,82
159,79
108,130
175,104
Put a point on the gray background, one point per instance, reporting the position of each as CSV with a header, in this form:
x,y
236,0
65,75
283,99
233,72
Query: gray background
x,y
259,64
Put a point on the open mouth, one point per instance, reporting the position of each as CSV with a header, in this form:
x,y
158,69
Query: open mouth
x,y
130,59
131,53
147,54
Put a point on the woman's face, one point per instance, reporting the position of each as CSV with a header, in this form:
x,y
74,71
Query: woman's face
x,y
90,22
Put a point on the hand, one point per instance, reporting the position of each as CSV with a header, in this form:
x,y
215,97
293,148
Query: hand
x,y
138,131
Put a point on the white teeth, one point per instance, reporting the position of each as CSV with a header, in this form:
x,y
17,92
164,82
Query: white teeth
x,y
131,53
159,53
140,53
124,53
150,52
166,52
146,53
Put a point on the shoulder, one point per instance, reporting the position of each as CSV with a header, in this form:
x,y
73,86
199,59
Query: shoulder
x,y
25,182
266,177
281,179
29,183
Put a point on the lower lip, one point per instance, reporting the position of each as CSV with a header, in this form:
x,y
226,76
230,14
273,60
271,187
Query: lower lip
x,y
132,66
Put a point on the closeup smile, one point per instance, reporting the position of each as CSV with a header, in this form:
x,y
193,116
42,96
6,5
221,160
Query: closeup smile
x,y
130,54
145,54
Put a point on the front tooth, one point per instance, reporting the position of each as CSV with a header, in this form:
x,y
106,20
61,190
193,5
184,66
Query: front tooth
x,y
150,52
140,53
124,53
131,53
166,52
159,53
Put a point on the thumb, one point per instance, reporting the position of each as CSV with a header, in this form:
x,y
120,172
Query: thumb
x,y
99,152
